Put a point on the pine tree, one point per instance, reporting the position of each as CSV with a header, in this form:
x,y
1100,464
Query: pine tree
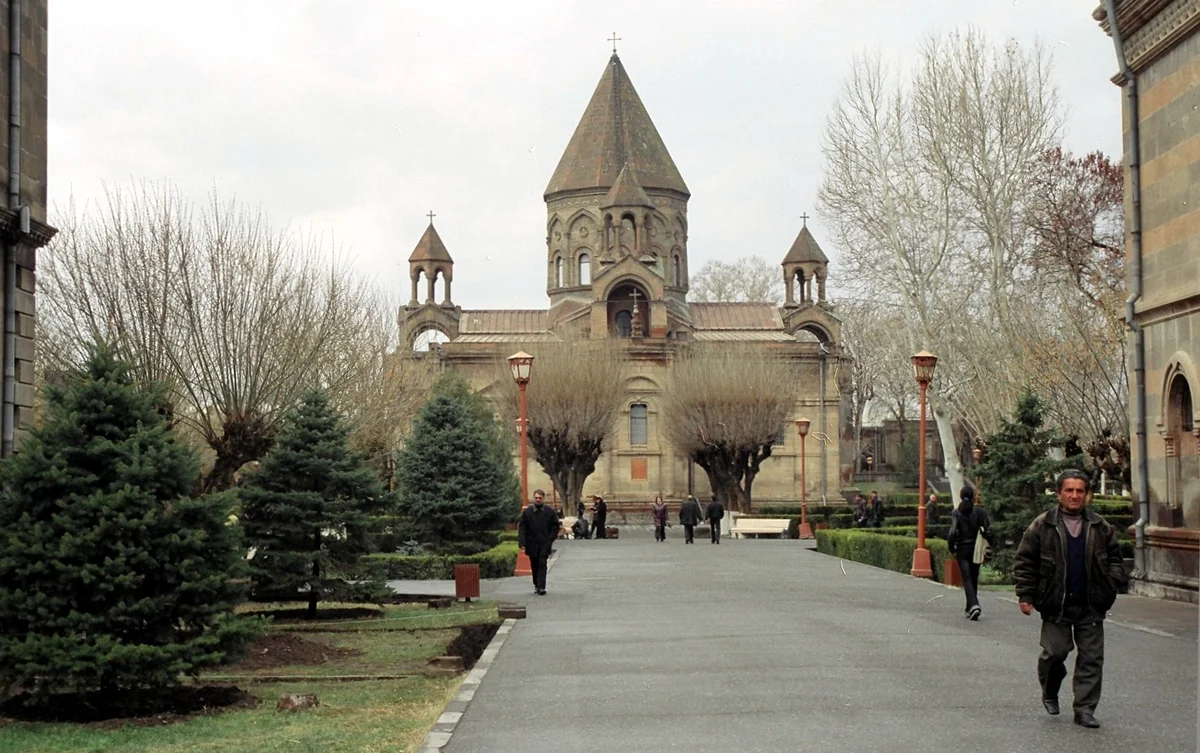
x,y
453,484
110,576
500,435
307,506
1018,470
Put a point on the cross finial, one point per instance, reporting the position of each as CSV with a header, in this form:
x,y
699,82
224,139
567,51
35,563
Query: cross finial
x,y
431,215
804,219
614,39
635,297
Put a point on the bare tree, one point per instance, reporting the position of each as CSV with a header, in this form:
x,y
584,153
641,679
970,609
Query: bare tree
x,y
236,319
726,410
927,189
574,399
749,279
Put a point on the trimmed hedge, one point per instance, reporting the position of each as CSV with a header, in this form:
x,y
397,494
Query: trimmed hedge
x,y
498,562
881,550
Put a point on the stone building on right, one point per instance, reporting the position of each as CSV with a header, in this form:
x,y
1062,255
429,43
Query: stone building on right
x,y
1158,54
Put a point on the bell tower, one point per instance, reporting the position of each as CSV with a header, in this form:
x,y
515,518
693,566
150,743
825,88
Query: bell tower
x,y
429,262
617,221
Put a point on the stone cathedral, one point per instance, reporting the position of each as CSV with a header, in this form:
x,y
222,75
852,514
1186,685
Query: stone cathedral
x,y
617,267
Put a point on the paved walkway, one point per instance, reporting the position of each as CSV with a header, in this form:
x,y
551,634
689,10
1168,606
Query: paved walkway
x,y
767,646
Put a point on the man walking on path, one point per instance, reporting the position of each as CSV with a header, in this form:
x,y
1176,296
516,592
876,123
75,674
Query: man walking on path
x,y
876,508
714,512
690,515
599,517
536,533
966,523
1068,567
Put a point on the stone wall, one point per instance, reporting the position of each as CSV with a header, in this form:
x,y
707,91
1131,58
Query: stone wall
x,y
34,46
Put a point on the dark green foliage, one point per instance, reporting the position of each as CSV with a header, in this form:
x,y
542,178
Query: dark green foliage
x,y
889,552
453,483
110,576
497,562
1017,472
308,506
501,438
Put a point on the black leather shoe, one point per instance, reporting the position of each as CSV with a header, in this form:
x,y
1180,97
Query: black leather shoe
x,y
1051,705
1085,719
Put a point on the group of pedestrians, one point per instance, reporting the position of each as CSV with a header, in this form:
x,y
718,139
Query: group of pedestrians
x,y
1068,568
868,512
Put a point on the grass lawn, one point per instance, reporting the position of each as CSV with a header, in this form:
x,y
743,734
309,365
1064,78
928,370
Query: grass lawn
x,y
367,716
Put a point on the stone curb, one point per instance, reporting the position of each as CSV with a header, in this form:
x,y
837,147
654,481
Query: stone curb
x,y
439,736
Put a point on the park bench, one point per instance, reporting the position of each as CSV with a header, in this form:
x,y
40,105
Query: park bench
x,y
743,527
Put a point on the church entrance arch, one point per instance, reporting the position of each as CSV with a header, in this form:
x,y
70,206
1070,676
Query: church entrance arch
x,y
628,310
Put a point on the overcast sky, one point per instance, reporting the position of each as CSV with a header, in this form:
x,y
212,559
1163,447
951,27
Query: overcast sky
x,y
357,118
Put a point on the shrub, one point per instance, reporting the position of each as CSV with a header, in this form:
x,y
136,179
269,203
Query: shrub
x,y
889,552
309,485
498,562
110,576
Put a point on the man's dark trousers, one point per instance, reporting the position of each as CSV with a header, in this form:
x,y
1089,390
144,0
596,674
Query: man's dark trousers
x,y
538,565
689,533
970,579
715,537
1077,629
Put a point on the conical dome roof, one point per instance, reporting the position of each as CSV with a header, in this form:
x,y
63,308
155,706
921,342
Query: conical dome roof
x,y
626,191
805,249
615,131
430,247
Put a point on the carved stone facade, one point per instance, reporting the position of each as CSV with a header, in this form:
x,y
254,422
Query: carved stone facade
x,y
1161,42
23,217
617,268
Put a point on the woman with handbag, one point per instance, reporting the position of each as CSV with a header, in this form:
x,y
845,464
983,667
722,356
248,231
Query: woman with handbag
x,y
969,537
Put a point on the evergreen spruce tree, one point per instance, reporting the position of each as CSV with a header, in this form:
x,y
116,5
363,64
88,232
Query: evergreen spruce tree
x,y
307,506
501,438
453,484
1017,472
110,576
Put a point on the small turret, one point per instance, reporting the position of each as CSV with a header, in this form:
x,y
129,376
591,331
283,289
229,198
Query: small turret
x,y
804,262
430,258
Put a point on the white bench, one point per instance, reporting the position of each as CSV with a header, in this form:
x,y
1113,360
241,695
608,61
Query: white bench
x,y
743,527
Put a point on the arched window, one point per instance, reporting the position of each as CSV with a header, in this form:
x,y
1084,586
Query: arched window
x,y
639,424
678,272
585,270
558,272
624,321
1181,453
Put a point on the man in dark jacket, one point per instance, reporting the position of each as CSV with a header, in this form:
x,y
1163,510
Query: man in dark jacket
x,y
966,522
599,517
1068,567
876,505
536,533
690,516
713,513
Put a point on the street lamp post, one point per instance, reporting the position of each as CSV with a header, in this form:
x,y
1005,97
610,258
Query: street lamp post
x,y
521,364
922,565
802,425
870,464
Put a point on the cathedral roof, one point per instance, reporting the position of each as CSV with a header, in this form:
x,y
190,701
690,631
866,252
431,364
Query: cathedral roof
x,y
430,247
615,130
736,316
627,191
805,249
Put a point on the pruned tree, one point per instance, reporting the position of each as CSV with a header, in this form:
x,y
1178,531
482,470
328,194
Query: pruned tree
x,y
725,410
748,279
574,397
237,319
927,191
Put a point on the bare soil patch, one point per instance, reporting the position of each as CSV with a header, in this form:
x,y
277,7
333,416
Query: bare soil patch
x,y
471,642
287,649
141,708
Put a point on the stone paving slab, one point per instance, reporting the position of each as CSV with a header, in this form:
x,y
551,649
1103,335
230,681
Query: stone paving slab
x,y
768,646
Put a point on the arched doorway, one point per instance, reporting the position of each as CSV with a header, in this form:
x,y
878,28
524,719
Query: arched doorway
x,y
622,319
1183,460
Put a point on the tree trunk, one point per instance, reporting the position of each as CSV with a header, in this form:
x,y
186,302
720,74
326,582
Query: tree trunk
x,y
314,585
954,466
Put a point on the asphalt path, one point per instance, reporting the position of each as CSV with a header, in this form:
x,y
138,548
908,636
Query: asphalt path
x,y
769,646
